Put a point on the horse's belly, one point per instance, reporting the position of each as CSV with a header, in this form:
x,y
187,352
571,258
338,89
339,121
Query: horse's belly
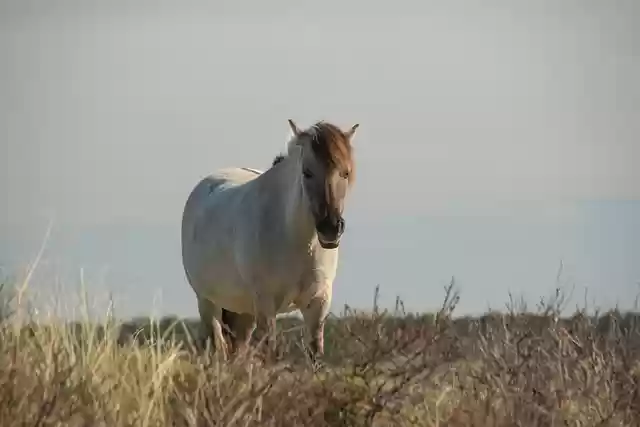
x,y
230,296
236,298
237,304
215,277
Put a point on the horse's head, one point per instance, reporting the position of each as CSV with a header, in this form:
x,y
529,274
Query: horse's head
x,y
327,174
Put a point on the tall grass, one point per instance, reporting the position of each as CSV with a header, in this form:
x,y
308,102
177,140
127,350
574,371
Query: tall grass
x,y
381,368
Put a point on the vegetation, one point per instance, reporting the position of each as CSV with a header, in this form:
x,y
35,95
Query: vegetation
x,y
381,368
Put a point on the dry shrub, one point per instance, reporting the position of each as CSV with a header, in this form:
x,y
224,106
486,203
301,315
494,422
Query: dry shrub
x,y
381,368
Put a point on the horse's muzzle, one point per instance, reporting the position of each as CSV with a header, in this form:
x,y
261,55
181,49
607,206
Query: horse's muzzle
x,y
329,231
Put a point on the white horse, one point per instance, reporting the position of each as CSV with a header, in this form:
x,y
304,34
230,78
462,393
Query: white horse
x,y
257,244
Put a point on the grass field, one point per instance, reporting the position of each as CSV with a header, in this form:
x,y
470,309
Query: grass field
x,y
382,369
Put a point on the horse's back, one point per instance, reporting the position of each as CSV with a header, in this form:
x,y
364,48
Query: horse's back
x,y
211,193
211,185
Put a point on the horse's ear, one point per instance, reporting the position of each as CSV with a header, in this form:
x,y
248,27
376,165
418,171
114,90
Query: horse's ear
x,y
294,128
349,134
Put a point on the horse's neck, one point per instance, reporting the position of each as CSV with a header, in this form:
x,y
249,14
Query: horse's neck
x,y
297,219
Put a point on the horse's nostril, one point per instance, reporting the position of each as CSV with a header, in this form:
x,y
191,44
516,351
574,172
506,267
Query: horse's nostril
x,y
341,225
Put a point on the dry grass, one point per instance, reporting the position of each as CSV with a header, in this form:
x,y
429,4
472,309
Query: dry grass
x,y
381,369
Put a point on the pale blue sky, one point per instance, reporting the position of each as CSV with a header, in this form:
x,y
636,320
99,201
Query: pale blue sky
x,y
496,138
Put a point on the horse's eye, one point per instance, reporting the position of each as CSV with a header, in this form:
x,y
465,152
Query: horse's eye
x,y
345,174
307,173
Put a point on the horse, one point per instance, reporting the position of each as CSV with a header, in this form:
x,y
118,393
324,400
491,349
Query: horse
x,y
256,244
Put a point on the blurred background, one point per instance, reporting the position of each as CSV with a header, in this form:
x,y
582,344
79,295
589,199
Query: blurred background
x,y
498,140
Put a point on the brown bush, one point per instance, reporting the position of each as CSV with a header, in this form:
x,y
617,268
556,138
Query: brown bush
x,y
381,368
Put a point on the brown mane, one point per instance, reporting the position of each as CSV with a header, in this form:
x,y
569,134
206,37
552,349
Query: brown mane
x,y
277,159
332,146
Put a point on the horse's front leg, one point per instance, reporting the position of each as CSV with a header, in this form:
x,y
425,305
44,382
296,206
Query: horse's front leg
x,y
267,328
211,317
266,324
314,315
241,326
